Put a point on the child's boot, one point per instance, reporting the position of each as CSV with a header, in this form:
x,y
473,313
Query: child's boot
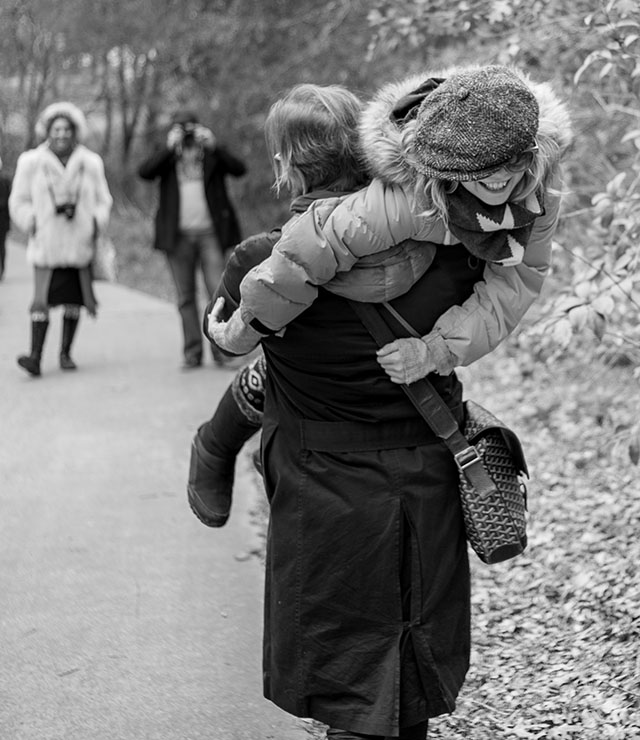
x,y
213,459
31,362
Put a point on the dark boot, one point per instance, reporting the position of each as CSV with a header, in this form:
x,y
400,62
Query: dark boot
x,y
213,460
31,363
69,326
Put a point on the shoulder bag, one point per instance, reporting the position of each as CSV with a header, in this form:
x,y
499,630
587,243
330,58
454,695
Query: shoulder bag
x,y
488,455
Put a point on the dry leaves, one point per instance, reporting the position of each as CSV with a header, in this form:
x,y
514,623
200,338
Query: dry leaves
x,y
557,631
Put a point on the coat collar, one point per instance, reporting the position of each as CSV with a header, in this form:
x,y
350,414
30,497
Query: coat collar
x,y
75,163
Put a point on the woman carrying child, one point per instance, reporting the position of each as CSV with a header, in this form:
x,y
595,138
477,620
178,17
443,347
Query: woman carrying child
x,y
388,132
468,157
367,602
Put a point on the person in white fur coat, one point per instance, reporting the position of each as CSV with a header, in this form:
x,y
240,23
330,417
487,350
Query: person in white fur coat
x,y
60,198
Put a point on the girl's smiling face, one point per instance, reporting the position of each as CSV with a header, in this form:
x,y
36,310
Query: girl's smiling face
x,y
496,189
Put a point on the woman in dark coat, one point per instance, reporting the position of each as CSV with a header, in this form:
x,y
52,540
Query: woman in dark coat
x,y
367,608
367,583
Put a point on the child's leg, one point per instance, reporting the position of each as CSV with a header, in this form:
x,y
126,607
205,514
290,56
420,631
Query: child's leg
x,y
218,441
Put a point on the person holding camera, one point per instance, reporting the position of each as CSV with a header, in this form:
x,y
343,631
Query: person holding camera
x,y
60,198
195,223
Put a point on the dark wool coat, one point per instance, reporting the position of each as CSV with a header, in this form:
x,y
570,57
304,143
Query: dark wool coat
x,y
5,191
367,601
217,163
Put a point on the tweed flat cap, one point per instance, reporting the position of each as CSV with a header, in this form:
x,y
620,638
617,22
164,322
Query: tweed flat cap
x,y
474,122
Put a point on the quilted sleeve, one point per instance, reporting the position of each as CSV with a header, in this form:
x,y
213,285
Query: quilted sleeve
x,y
500,301
329,238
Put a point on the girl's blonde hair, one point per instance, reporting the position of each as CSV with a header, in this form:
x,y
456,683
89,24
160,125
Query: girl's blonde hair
x,y
312,137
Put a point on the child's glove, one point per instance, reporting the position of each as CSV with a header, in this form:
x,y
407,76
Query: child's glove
x,y
409,359
232,336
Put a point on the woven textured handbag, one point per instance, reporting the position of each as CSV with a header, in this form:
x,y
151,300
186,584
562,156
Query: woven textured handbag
x,y
488,454
495,523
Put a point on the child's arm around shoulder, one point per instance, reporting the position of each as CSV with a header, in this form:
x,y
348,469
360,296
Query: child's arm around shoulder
x,y
501,300
465,333
315,246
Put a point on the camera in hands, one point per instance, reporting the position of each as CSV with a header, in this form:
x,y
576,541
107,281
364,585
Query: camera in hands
x,y
188,134
66,209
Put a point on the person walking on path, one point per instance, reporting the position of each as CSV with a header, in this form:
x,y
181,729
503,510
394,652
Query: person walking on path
x,y
195,223
367,601
60,198
5,220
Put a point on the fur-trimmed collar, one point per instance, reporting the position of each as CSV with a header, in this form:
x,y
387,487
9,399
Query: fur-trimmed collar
x,y
382,138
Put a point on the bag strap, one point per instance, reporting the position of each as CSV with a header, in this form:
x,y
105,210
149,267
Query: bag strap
x,y
428,401
47,177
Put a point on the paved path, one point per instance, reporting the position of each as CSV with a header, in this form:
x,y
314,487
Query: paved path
x,y
122,617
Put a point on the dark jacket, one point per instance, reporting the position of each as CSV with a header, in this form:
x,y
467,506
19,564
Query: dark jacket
x,y
218,163
367,602
5,191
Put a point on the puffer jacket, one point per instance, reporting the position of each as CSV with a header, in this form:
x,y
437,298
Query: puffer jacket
x,y
325,242
40,184
373,277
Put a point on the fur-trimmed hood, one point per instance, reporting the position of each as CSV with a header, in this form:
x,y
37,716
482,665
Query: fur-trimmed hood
x,y
383,138
66,109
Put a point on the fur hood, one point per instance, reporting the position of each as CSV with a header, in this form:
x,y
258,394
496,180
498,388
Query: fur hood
x,y
382,139
68,110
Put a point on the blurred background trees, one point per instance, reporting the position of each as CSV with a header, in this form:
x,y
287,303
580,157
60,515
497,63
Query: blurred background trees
x,y
130,63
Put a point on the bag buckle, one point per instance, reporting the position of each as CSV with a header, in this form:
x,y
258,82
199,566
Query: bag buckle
x,y
467,457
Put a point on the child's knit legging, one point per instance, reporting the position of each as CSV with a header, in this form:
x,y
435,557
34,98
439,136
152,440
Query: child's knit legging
x,y
248,389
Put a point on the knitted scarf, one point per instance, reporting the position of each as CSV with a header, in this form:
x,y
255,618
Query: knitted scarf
x,y
493,233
